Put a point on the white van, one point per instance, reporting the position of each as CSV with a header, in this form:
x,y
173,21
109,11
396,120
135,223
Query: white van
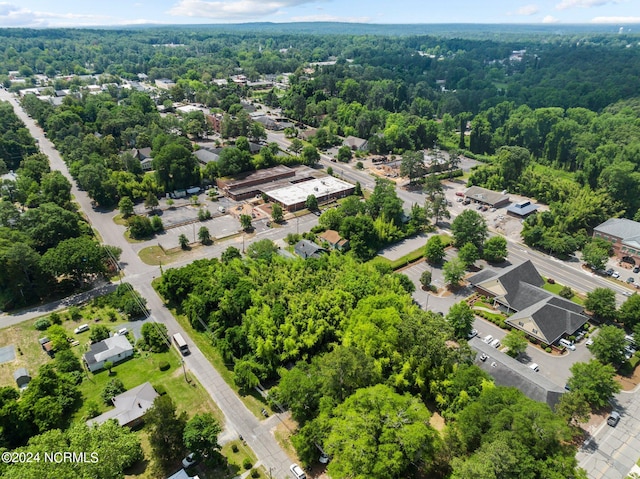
x,y
221,209
567,344
81,329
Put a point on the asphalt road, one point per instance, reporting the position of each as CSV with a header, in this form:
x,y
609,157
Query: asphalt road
x,y
238,419
611,452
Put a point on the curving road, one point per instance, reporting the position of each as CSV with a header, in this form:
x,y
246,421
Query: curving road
x,y
238,419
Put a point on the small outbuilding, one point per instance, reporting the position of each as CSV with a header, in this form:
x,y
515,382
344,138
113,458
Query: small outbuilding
x,y
522,209
22,378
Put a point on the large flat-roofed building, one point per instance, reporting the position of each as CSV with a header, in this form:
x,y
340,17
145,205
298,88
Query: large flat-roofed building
x,y
624,236
486,197
294,197
249,184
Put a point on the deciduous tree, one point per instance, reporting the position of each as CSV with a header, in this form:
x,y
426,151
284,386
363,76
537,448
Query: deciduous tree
x,y
453,271
201,435
469,227
602,303
516,341
608,345
434,250
595,381
495,249
460,317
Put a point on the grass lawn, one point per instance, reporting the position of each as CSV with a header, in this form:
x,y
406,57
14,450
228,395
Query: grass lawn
x,y
189,397
120,220
25,337
556,288
155,255
411,256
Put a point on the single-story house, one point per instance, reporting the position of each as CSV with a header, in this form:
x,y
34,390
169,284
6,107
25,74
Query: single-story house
x,y
130,406
522,209
205,156
335,240
113,349
182,474
539,313
486,197
308,249
624,236
22,378
506,371
355,143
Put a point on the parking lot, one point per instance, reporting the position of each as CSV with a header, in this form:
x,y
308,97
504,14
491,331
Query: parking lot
x,y
623,273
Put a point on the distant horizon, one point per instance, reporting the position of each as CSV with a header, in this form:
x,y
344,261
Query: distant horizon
x,y
73,14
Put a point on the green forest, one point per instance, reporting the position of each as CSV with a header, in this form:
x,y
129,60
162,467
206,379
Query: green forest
x,y
355,360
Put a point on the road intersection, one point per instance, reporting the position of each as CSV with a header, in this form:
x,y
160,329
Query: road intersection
x,y
616,448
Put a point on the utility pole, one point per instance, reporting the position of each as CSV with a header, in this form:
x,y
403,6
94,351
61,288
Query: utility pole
x,y
184,370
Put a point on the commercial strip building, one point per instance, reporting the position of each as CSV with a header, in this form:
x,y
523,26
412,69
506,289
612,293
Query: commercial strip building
x,y
287,186
294,197
486,197
537,312
624,236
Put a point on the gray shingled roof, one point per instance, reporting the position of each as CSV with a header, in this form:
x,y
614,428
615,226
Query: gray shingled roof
x,y
553,321
506,371
620,228
129,406
553,315
306,249
103,350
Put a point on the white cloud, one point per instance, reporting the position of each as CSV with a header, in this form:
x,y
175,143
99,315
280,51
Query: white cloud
x,y
232,9
550,19
528,10
564,4
616,20
14,16
330,18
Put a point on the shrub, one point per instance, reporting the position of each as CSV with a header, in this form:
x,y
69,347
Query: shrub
x,y
42,324
74,313
55,318
112,388
359,165
566,292
255,473
547,349
292,238
204,214
234,447
93,409
247,464
551,281
160,389
164,365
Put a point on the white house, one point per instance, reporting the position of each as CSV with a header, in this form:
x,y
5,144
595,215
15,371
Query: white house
x,y
114,349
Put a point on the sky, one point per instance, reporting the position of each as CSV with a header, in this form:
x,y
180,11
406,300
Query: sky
x,y
78,13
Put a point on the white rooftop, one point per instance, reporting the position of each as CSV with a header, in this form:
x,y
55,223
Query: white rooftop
x,y
319,187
